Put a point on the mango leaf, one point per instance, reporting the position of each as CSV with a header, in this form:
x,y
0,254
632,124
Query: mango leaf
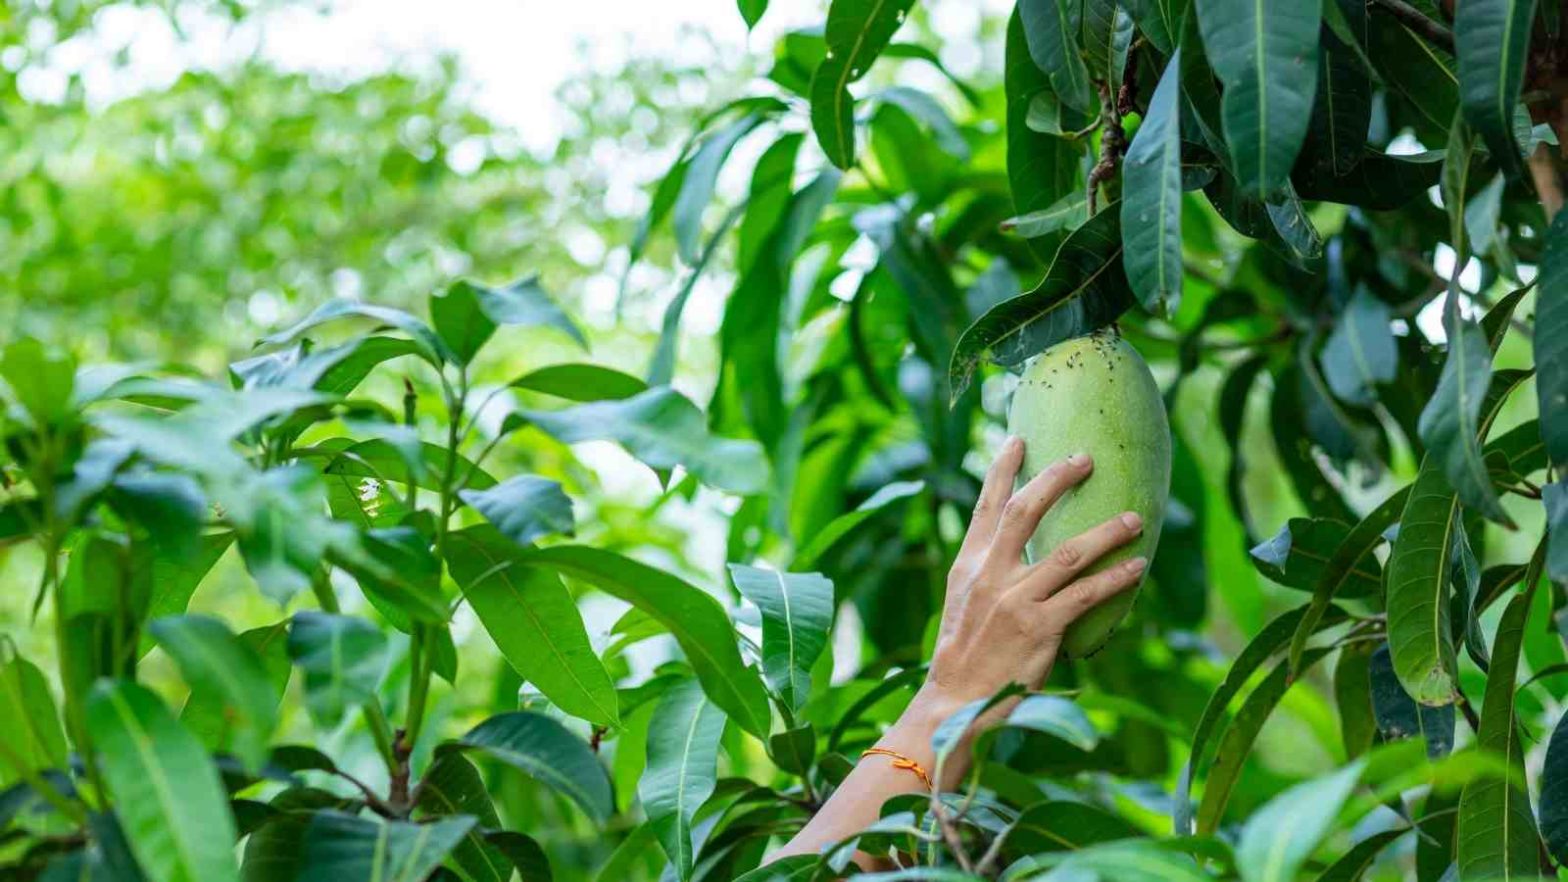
x,y
1128,860
1420,634
1360,353
1064,824
546,751
467,314
1450,422
697,621
751,11
166,790
1555,497
664,430
534,622
1399,716
1497,836
1051,32
1300,555
216,663
794,750
1274,636
683,755
1353,864
1423,76
1266,55
453,787
1057,716
857,31
33,741
1377,181
1353,698
1236,744
702,174
1352,561
1085,289
400,575
524,508
1042,169
1280,836
1551,341
1554,793
1067,213
1342,112
797,611
1492,40
431,348
580,382
340,847
342,658
1151,206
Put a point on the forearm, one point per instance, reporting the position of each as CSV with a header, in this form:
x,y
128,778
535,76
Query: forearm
x,y
857,803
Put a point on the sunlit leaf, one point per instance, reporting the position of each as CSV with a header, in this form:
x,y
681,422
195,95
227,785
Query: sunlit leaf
x,y
683,753
797,611
857,31
214,661
1280,836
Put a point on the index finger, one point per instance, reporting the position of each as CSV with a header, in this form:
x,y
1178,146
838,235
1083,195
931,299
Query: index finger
x,y
994,492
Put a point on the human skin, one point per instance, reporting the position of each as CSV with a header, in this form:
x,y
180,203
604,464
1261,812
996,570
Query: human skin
x,y
1002,622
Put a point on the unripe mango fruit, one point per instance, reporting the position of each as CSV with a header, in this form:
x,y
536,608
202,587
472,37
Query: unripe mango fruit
x,y
1095,395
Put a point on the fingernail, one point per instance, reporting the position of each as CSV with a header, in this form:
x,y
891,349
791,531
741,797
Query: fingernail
x,y
1131,520
1013,443
1078,460
1136,565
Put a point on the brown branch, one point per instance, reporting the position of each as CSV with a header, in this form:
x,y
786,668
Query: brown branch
x,y
1414,19
1548,185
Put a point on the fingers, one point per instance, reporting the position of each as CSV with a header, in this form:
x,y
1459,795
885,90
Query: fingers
x,y
1078,553
993,496
1023,511
1069,604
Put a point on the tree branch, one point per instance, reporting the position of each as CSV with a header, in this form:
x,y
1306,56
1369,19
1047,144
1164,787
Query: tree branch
x,y
1432,31
1547,183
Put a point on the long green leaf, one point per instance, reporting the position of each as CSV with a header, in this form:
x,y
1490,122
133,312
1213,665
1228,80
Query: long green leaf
x,y
1353,864
1280,836
857,31
702,175
166,790
1398,716
797,611
342,658
1266,55
1497,837
341,847
1053,44
1492,39
33,741
683,755
453,787
1042,169
1551,341
534,622
695,619
1151,206
580,382
1450,423
215,662
524,508
1554,793
547,751
1085,289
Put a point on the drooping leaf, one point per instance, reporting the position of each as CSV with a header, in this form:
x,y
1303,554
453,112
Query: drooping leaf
x,y
1342,112
797,611
215,662
1450,423
857,31
1353,699
1280,836
695,619
1423,76
340,847
1266,55
1551,341
1085,289
1353,864
1053,44
1360,353
33,741
166,790
546,751
1061,824
664,430
752,11
683,753
1399,716
1042,169
702,175
342,658
844,525
1497,837
1492,40
534,622
400,575
1151,206
524,508
1554,793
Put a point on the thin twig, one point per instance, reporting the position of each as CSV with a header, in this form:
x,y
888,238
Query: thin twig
x,y
1432,31
1547,183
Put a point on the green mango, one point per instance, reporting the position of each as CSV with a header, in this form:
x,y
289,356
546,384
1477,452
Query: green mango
x,y
1095,395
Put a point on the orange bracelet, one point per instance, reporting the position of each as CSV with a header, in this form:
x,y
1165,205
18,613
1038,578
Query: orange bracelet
x,y
902,762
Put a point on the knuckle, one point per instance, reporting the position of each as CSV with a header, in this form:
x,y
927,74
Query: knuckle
x,y
1015,508
1068,555
1081,595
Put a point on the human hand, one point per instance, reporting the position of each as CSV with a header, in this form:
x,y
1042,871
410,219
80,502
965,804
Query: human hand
x,y
1004,619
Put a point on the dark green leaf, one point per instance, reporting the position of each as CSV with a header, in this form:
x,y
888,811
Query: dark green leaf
x,y
1354,863
1551,341
1302,554
695,619
452,787
794,750
342,658
525,508
1492,39
534,622
664,430
1378,181
1266,55
1085,289
1497,837
683,755
797,611
1342,112
1151,208
166,790
1399,716
751,11
547,751
340,847
1554,793
1450,423
1041,169
857,31
1053,44
1353,698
